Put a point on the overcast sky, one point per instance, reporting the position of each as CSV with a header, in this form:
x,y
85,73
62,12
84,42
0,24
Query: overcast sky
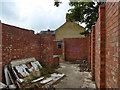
x,y
34,15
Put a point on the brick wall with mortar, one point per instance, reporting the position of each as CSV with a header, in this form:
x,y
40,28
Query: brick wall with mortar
x,y
46,44
100,49
93,52
53,37
63,50
89,53
112,11
0,51
19,43
107,45
119,45
57,51
75,48
56,61
97,58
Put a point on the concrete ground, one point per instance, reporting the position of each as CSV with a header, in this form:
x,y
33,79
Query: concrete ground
x,y
74,78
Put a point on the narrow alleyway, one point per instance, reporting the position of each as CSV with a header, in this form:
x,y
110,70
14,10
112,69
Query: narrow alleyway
x,y
74,78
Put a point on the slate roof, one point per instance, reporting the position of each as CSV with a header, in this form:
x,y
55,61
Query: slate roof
x,y
49,31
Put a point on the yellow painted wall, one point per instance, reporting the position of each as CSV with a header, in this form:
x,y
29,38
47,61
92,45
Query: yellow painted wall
x,y
69,30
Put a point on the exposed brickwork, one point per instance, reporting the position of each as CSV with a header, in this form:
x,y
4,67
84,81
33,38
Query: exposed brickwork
x,y
46,41
102,45
99,49
112,44
119,47
89,55
93,52
53,37
56,50
75,48
0,51
63,50
56,61
19,43
97,53
107,45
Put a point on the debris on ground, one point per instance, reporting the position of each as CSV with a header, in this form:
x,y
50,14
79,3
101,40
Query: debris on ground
x,y
28,73
88,84
38,79
74,78
83,64
51,80
2,85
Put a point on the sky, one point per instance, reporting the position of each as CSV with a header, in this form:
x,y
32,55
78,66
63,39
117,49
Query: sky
x,y
34,15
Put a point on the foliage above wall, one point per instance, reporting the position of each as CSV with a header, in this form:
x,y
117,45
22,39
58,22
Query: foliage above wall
x,y
83,12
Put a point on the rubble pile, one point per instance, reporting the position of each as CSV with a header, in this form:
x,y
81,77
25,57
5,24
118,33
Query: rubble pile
x,y
83,64
28,73
2,85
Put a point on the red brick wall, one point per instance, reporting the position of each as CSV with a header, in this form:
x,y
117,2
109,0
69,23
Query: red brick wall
x,y
100,49
107,45
53,37
89,55
46,42
57,51
56,61
0,51
75,48
19,43
63,50
112,44
119,45
97,58
93,52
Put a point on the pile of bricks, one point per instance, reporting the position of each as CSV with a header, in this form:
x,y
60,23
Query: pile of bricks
x,y
83,64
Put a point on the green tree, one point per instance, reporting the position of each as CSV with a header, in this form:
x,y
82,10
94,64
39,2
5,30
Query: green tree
x,y
84,12
57,3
